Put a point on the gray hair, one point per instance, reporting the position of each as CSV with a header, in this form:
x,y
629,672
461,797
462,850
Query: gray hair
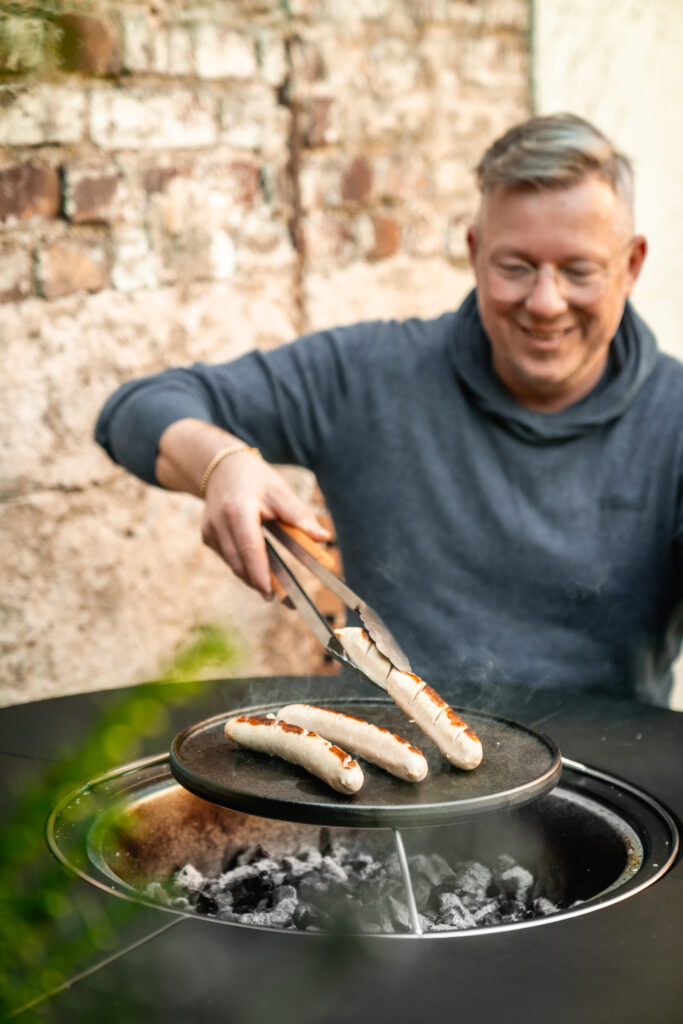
x,y
552,152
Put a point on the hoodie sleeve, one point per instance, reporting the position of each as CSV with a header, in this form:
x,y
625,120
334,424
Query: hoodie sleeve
x,y
284,402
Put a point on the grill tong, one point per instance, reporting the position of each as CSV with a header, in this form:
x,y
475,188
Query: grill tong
x,y
318,562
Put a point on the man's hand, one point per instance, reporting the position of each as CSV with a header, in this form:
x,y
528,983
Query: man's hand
x,y
242,491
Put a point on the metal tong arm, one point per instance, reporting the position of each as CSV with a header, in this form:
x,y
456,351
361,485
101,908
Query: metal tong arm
x,y
303,604
314,565
307,610
304,550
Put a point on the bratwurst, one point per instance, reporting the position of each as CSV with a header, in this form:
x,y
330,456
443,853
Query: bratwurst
x,y
377,745
298,746
457,742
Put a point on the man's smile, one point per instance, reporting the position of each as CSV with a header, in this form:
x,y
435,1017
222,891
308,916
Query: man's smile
x,y
546,335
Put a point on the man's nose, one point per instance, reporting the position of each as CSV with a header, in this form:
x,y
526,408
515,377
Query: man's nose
x,y
545,298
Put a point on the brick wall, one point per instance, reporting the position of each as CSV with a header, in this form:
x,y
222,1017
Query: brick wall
x,y
183,181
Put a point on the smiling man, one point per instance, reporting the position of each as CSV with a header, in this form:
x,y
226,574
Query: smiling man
x,y
555,259
506,479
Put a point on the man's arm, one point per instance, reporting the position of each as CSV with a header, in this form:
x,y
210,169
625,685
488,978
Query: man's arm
x,y
241,492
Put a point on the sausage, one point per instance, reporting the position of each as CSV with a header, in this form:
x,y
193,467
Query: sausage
x,y
457,742
298,746
377,745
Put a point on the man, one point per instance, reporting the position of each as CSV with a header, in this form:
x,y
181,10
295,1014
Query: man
x,y
505,480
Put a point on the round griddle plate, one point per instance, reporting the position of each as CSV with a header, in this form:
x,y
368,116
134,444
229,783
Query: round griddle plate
x,y
519,765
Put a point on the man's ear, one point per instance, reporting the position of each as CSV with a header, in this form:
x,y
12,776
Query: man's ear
x,y
636,258
472,243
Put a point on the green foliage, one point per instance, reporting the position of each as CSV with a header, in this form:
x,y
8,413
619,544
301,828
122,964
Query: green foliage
x,y
53,926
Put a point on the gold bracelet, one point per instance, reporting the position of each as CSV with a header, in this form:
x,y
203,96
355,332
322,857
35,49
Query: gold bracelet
x,y
218,457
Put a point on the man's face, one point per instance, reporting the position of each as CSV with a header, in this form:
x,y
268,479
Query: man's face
x,y
554,268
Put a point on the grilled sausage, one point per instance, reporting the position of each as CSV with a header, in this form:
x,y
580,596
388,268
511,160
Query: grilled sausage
x,y
379,746
457,742
298,746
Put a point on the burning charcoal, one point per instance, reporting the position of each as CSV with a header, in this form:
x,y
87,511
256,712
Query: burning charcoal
x,y
516,882
321,891
543,907
279,915
452,912
295,866
433,868
331,868
513,911
224,906
248,893
422,891
472,879
205,904
189,878
333,887
486,912
244,872
363,866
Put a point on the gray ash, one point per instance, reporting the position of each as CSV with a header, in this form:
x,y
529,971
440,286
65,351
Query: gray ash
x,y
332,887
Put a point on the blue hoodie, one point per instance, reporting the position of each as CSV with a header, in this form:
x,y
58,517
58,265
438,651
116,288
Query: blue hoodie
x,y
501,545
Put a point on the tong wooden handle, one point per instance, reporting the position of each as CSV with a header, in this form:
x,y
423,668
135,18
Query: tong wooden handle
x,y
326,558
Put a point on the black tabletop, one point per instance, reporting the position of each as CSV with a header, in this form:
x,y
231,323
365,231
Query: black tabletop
x,y
71,952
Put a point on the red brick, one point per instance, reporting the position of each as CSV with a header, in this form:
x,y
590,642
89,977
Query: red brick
x,y
356,183
155,179
72,265
28,190
89,45
89,192
387,233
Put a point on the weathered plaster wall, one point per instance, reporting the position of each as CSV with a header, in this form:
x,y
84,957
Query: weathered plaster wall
x,y
183,181
619,65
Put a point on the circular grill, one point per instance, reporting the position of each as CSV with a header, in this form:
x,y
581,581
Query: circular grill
x,y
592,841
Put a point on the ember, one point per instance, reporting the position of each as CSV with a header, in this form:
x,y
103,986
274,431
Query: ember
x,y
331,887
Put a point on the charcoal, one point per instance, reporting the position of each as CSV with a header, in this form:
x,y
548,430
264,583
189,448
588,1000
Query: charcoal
x,y
246,872
189,878
247,855
486,912
514,911
422,891
472,879
205,904
453,912
433,868
516,882
280,915
295,867
503,862
542,906
330,867
329,887
363,866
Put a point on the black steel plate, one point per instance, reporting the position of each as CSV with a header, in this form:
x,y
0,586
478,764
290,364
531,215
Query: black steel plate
x,y
519,765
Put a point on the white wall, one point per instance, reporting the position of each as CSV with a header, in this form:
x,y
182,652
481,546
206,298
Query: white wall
x,y
619,63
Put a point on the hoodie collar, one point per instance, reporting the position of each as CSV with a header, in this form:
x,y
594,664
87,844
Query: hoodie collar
x,y
632,357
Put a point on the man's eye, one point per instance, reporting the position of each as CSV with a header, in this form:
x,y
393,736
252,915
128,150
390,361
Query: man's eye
x,y
515,270
581,273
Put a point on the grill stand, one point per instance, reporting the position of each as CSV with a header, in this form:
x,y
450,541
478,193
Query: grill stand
x,y
407,882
